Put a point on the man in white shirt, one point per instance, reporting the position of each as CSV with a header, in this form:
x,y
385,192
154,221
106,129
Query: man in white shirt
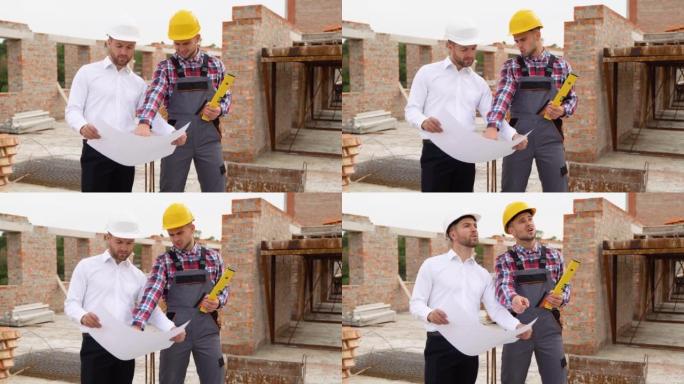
x,y
109,91
455,277
109,281
450,85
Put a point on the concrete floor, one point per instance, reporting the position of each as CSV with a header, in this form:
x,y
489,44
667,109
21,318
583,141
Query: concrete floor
x,y
405,142
324,174
654,140
64,335
313,333
408,334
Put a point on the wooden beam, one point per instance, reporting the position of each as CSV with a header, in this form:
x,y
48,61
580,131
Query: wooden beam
x,y
269,107
303,59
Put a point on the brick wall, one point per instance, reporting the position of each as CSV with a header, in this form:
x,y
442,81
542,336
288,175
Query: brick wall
x,y
587,317
655,208
245,319
311,209
245,130
76,249
373,77
587,133
419,249
656,15
32,267
493,62
314,15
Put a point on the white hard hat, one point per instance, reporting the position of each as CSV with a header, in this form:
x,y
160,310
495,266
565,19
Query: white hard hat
x,y
124,226
124,32
453,217
462,33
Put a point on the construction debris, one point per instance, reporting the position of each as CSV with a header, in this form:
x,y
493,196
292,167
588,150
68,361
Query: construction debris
x,y
8,343
350,149
373,121
370,314
28,314
350,341
25,122
8,149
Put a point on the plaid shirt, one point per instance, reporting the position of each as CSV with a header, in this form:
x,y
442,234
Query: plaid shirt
x,y
508,84
505,268
165,78
162,275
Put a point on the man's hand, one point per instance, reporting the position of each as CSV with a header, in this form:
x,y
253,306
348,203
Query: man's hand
x,y
210,112
431,124
91,320
142,130
181,139
554,112
437,316
208,304
522,145
520,304
555,300
179,337
524,335
89,132
491,133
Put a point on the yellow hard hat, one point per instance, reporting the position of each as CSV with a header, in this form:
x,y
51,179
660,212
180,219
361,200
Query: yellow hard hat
x,y
513,209
523,21
176,215
183,26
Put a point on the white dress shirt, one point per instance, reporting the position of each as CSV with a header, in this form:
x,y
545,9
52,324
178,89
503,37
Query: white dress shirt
x,y
442,277
99,280
100,91
440,86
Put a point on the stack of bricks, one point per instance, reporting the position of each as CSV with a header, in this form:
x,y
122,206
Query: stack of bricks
x,y
8,148
8,342
350,341
350,148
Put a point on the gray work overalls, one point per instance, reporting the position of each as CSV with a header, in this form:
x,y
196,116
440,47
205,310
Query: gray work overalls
x,y
545,144
202,334
203,145
546,341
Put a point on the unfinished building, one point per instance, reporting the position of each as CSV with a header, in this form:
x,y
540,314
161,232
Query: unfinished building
x,y
626,299
283,131
285,300
625,136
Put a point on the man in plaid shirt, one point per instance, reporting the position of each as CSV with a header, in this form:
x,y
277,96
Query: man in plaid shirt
x,y
528,83
525,277
183,84
183,277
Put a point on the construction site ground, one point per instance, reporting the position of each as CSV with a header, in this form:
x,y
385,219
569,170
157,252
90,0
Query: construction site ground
x,y
48,161
408,335
64,336
389,161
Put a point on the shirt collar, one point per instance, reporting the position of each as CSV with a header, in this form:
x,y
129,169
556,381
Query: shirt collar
x,y
524,251
194,250
543,56
107,62
448,63
106,256
195,59
454,256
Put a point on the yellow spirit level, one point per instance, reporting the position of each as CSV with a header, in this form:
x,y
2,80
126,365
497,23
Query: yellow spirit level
x,y
564,280
223,88
563,92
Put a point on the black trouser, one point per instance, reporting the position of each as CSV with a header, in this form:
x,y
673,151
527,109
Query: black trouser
x,y
102,174
444,364
100,367
440,172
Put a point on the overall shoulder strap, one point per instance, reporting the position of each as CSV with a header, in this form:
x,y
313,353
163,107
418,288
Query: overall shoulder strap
x,y
523,66
177,67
